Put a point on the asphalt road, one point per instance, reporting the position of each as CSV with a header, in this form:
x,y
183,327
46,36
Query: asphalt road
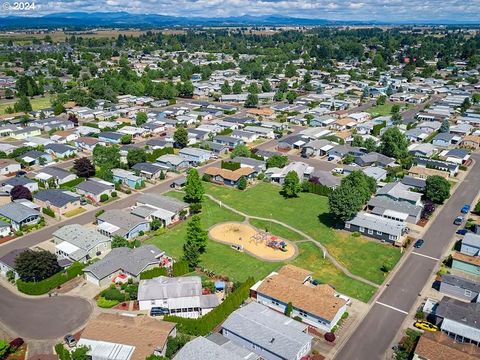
x,y
409,115
378,329
42,318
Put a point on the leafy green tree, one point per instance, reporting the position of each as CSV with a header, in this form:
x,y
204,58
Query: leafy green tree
x,y
22,105
251,101
36,265
126,139
394,143
106,156
240,150
283,86
266,87
83,167
253,88
193,188
242,183
195,242
437,189
381,100
397,118
278,96
289,309
357,141
343,203
118,241
141,118
290,70
291,185
278,161
135,156
58,109
226,88
4,348
180,137
291,96
237,87
445,127
370,145
9,94
155,224
395,109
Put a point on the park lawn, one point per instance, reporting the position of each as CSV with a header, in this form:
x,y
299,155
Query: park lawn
x,y
37,104
220,258
276,229
380,110
309,213
311,258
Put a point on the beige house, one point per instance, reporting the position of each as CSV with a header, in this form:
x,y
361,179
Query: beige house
x,y
423,172
471,141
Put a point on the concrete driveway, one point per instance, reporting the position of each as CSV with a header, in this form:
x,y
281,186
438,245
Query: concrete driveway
x,y
42,318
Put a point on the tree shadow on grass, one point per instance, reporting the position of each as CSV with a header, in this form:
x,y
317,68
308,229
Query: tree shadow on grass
x,y
328,220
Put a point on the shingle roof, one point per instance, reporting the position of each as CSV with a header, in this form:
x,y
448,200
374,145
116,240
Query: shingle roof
x,y
377,223
93,187
122,219
56,172
9,258
467,314
17,212
382,203
203,349
268,329
439,346
471,239
162,202
133,261
55,197
461,282
147,167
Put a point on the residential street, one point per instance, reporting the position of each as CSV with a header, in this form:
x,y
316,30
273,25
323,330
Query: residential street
x,y
378,329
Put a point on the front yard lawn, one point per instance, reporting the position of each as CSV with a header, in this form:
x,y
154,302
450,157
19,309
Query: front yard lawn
x,y
74,212
309,213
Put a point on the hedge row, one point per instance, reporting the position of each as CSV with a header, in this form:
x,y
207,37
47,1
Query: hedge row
x,y
48,211
230,165
202,326
44,286
318,189
180,268
151,157
153,273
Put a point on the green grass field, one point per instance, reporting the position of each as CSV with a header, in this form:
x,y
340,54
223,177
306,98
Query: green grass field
x,y
222,259
385,109
309,213
37,104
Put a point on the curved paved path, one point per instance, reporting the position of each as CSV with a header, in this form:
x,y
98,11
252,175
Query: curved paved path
x,y
42,318
307,237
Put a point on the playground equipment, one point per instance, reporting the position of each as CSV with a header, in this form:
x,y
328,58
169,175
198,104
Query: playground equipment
x,y
276,244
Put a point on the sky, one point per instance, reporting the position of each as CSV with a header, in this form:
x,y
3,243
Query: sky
x,y
383,10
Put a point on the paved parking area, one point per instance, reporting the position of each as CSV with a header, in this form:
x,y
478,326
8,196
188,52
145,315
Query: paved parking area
x,y
42,318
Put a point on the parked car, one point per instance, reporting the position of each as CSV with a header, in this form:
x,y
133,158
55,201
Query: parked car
x,y
458,220
15,344
462,231
330,158
465,209
425,325
418,244
70,340
159,311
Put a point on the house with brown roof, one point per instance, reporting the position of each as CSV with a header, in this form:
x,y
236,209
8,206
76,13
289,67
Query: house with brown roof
x,y
471,141
424,172
9,166
318,305
439,346
129,338
230,177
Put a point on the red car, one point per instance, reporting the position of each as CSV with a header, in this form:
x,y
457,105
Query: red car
x,y
15,344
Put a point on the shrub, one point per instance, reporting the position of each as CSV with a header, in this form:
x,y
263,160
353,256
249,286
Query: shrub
x,y
207,177
180,268
106,304
44,286
477,208
128,191
230,165
206,324
48,211
153,273
103,197
99,212
195,208
114,194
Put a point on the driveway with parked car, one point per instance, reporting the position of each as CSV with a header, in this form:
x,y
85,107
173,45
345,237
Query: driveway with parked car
x,y
42,318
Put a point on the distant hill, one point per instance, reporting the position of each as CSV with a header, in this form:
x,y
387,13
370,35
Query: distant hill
x,y
125,19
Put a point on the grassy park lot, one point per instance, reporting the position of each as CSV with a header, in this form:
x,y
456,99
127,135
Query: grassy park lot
x,y
222,259
309,214
38,103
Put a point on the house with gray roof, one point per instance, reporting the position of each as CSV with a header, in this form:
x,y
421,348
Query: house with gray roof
x,y
59,201
60,176
400,192
460,287
213,347
118,222
398,210
377,227
35,157
375,172
269,334
258,165
61,151
164,208
124,261
449,167
325,178
414,183
195,156
374,159
460,320
148,170
303,170
94,188
18,215
7,262
172,162
182,296
8,184
446,139
77,243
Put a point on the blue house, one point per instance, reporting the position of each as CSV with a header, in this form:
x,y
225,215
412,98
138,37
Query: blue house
x,y
35,157
60,150
127,178
110,137
445,139
229,141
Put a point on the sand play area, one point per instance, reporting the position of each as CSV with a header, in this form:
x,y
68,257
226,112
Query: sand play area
x,y
244,237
